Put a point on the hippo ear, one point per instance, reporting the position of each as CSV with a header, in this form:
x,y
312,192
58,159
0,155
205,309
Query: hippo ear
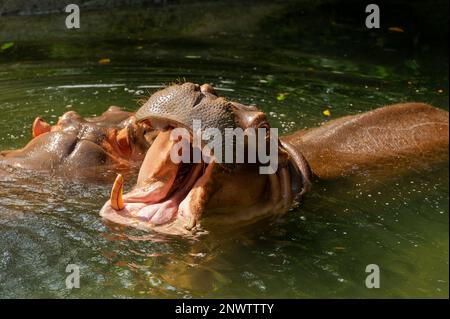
x,y
40,127
250,116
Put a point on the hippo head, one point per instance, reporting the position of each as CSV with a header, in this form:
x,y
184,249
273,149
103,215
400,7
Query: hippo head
x,y
171,196
83,147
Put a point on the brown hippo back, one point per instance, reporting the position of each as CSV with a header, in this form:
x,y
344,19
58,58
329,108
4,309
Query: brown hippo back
x,y
389,139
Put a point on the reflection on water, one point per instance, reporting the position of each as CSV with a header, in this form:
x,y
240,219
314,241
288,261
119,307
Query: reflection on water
x,y
318,250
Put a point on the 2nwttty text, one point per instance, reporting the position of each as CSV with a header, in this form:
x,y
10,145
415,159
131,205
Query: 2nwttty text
x,y
232,308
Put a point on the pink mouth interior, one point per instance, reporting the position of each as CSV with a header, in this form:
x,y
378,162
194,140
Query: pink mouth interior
x,y
161,187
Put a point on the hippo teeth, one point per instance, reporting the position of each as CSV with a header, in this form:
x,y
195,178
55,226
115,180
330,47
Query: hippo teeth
x,y
167,194
116,193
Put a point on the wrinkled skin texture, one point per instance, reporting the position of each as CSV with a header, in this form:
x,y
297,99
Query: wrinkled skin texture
x,y
83,147
164,109
174,198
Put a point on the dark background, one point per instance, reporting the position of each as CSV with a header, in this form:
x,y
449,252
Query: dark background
x,y
312,24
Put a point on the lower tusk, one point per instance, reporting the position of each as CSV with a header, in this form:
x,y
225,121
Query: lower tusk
x,y
116,193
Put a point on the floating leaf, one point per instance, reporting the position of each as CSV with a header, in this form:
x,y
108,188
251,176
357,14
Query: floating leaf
x,y
326,112
396,29
281,96
6,46
104,61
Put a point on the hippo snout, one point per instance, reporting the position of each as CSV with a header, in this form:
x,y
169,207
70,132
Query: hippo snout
x,y
180,105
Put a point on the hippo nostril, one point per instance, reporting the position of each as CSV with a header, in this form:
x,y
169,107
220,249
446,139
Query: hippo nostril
x,y
198,99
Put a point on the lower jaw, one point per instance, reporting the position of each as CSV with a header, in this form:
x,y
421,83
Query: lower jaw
x,y
174,227
176,221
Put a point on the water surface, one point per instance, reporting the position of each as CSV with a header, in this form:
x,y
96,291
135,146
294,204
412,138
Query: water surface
x,y
320,249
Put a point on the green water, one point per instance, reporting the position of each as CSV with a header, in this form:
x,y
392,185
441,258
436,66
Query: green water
x,y
318,250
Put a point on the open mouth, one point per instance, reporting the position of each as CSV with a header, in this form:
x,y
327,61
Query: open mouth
x,y
166,193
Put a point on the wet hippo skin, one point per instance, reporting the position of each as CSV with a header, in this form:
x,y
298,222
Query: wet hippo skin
x,y
390,139
82,147
182,198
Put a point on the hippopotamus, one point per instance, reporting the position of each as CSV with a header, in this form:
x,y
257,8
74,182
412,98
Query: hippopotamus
x,y
83,147
176,198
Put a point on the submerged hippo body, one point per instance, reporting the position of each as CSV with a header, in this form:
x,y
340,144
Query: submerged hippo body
x,y
175,198
82,147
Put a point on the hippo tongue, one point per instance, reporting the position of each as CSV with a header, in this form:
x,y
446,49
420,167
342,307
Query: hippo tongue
x,y
157,173
161,187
